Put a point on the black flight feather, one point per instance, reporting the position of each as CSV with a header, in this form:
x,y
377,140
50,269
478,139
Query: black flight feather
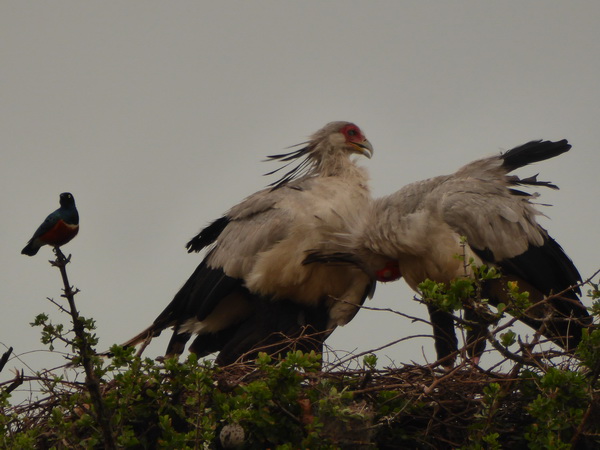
x,y
208,235
533,151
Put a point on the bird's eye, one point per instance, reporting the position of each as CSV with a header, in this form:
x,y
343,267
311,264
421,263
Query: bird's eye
x,y
351,132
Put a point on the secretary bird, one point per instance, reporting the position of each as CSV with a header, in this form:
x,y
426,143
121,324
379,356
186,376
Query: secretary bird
x,y
416,233
251,290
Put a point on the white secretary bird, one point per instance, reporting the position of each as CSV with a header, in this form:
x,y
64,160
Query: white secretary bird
x,y
251,290
416,233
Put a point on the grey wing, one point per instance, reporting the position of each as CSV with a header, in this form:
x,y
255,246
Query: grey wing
x,y
215,295
500,225
491,217
399,223
252,207
242,240
254,226
268,199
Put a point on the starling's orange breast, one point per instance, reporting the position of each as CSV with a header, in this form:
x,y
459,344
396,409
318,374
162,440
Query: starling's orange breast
x,y
60,234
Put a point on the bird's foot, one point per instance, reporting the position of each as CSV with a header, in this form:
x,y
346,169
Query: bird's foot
x,y
61,259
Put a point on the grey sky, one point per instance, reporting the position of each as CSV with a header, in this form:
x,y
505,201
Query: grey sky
x,y
157,116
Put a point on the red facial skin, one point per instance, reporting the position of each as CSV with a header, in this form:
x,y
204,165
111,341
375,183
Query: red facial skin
x,y
352,133
390,272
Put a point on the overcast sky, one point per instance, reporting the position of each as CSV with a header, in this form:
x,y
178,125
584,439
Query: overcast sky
x,y
157,117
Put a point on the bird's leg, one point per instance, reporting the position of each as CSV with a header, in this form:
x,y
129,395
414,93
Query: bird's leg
x,y
61,259
444,334
476,332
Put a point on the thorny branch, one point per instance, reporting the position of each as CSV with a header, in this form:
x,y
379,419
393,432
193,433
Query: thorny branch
x,y
447,400
86,352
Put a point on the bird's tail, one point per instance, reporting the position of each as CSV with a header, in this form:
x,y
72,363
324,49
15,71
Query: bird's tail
x,y
30,249
532,152
145,336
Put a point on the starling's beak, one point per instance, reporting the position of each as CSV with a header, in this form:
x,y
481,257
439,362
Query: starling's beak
x,y
364,148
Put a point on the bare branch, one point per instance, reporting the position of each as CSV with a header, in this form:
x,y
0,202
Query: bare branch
x,y
85,352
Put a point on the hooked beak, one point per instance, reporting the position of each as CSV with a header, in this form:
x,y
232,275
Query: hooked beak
x,y
364,148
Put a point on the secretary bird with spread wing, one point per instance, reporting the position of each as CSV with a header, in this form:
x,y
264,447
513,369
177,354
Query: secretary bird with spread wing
x,y
416,233
251,290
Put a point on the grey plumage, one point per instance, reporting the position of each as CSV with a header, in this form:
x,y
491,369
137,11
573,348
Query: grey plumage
x,y
419,228
252,285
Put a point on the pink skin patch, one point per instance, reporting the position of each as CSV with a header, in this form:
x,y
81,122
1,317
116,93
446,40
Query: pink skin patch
x,y
352,133
390,272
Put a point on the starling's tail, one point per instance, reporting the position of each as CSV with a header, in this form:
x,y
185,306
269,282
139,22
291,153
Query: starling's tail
x,y
30,249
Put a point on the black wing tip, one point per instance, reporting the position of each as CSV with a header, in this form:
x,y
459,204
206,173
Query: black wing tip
x,y
533,151
547,268
529,181
194,244
208,235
